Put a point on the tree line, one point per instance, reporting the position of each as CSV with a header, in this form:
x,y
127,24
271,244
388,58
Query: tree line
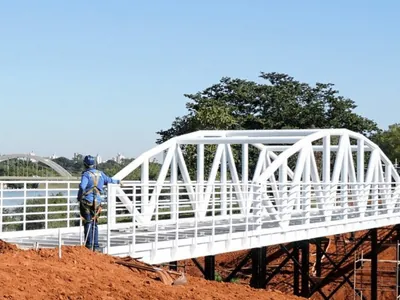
x,y
28,168
109,167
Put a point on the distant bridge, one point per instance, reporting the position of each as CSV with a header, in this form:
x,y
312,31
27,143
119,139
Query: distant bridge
x,y
53,165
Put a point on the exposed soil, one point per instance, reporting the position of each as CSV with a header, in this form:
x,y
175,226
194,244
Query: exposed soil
x,y
6,247
82,274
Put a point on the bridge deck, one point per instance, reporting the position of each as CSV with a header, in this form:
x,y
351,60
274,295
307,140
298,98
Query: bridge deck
x,y
160,243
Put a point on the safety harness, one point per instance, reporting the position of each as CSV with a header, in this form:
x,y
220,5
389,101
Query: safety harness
x,y
95,177
95,190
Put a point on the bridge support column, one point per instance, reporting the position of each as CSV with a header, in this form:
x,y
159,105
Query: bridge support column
x,y
305,261
296,271
173,266
397,258
209,267
397,233
374,264
318,258
259,270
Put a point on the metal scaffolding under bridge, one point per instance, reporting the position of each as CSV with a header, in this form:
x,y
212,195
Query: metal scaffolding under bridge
x,y
222,191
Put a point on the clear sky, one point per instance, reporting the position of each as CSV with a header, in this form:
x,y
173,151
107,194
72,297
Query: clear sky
x,y
104,76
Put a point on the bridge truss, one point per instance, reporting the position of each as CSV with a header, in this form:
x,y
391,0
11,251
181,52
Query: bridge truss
x,y
222,191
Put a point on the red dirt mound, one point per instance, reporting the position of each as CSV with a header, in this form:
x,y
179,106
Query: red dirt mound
x,y
82,274
6,247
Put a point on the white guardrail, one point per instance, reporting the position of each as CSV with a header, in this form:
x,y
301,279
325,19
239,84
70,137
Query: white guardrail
x,y
178,221
165,220
38,205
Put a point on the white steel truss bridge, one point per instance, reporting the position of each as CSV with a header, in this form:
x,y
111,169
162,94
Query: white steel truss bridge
x,y
221,191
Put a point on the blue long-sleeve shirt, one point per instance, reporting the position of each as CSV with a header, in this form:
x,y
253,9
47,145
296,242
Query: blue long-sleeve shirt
x,y
87,190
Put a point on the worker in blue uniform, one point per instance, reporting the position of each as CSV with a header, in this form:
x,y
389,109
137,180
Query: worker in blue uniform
x,y
90,199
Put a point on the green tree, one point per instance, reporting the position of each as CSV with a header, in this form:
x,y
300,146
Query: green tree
x,y
109,167
73,166
389,141
279,102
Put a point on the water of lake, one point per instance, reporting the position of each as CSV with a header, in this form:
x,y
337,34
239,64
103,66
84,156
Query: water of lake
x,y
16,196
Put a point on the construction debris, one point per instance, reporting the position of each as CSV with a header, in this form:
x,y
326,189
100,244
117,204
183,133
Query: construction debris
x,y
165,275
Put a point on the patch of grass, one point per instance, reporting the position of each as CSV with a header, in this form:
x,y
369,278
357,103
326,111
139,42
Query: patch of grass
x,y
218,277
235,280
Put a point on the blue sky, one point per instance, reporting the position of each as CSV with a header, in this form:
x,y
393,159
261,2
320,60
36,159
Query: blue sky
x,y
104,76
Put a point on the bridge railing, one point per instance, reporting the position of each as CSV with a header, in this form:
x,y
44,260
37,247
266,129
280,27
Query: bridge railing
x,y
192,217
225,216
39,206
168,202
28,206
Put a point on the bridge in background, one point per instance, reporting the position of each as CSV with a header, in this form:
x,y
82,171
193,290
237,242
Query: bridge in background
x,y
221,191
42,166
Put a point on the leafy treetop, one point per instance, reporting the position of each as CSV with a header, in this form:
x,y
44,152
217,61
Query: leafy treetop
x,y
280,102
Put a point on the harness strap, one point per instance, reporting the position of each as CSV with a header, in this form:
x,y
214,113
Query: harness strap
x,y
94,188
96,214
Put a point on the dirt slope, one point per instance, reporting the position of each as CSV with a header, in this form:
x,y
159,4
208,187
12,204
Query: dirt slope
x,y
82,274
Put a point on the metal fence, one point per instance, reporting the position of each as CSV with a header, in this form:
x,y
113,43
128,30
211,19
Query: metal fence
x,y
37,207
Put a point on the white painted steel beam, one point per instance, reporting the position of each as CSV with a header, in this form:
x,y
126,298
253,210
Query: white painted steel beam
x,y
240,140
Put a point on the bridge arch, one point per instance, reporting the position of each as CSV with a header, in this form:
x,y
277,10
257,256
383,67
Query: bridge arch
x,y
56,167
277,145
326,166
348,145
